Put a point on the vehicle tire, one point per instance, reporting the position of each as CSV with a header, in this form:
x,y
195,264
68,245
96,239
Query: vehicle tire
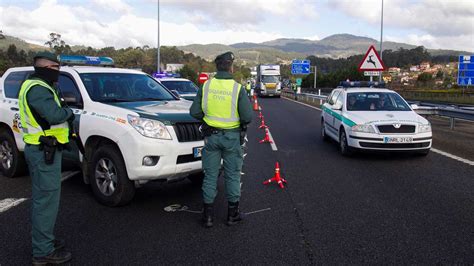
x,y
12,161
108,177
324,136
343,146
197,178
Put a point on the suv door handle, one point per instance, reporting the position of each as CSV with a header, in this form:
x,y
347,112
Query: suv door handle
x,y
14,109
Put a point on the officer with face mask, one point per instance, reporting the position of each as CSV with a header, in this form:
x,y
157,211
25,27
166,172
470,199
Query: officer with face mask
x,y
45,131
223,106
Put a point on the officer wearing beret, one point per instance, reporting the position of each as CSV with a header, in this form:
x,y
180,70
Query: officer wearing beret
x,y
45,131
223,106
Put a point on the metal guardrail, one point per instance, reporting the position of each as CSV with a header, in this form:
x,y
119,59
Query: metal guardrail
x,y
450,112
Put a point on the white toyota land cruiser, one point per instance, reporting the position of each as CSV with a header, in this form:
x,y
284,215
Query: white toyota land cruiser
x,y
132,128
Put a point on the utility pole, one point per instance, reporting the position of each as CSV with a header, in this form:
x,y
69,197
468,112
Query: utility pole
x,y
158,46
381,35
315,73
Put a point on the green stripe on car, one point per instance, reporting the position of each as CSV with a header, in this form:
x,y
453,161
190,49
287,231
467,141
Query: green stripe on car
x,y
344,119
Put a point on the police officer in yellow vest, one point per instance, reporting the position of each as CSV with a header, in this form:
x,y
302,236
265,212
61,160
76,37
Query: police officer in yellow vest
x,y
222,104
45,130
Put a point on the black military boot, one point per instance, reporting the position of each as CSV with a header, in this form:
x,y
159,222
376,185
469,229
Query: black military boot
x,y
208,215
56,257
233,213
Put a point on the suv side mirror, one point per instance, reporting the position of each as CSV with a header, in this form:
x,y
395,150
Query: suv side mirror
x,y
72,100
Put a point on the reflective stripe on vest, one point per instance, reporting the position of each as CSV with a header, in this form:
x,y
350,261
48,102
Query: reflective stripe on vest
x,y
31,129
219,103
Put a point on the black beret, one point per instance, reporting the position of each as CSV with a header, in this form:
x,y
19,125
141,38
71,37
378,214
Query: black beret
x,y
47,55
228,56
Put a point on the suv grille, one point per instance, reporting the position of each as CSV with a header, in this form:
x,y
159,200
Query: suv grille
x,y
187,132
392,129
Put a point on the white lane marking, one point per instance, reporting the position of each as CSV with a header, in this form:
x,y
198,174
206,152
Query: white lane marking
x,y
273,144
253,212
8,203
66,175
452,156
449,155
310,106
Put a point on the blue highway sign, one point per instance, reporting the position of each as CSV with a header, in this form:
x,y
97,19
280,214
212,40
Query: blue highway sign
x,y
466,70
300,67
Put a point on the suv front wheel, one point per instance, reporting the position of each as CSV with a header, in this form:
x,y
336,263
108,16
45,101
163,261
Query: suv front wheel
x,y
12,162
108,177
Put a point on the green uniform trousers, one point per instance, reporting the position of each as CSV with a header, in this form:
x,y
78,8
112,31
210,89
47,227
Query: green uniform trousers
x,y
46,192
226,146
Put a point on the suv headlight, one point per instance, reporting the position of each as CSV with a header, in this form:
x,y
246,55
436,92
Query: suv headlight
x,y
149,128
363,128
424,128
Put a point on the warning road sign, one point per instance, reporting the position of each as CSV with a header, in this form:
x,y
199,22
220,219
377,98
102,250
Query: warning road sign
x,y
371,61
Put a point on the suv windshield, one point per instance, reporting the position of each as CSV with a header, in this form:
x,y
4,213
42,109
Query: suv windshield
x,y
124,87
182,86
375,101
270,79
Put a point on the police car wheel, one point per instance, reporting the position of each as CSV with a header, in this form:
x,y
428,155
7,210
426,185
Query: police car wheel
x,y
108,177
323,131
344,148
12,162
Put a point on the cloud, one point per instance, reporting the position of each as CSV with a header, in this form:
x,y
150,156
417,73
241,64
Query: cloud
x,y
116,5
86,28
241,13
461,42
435,17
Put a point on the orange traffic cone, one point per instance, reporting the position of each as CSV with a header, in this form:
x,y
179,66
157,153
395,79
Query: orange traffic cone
x,y
267,137
262,125
255,105
276,178
260,115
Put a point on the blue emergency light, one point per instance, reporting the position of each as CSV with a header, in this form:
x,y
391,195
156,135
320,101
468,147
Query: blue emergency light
x,y
82,60
362,84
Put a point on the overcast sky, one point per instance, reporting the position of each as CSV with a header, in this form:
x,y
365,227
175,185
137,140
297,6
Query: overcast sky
x,y
447,24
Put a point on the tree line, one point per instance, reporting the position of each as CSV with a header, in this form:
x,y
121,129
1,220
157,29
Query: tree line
x,y
329,71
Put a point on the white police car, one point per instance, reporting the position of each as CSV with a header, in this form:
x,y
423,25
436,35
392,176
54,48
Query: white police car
x,y
133,129
186,88
373,119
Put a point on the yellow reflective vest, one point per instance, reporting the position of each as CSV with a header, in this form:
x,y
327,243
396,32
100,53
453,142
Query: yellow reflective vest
x,y
219,103
31,129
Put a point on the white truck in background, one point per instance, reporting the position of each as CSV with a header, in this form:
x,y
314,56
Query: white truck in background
x,y
268,80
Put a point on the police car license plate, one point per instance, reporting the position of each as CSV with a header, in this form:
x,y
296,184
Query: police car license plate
x,y
270,94
197,152
397,139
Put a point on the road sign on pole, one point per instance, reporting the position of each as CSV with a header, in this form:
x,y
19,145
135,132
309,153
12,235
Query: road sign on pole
x,y
203,77
371,73
300,67
466,70
371,61
299,81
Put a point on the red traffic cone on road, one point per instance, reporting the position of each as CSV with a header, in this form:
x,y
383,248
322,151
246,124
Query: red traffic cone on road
x,y
255,105
262,125
260,115
254,97
267,137
276,178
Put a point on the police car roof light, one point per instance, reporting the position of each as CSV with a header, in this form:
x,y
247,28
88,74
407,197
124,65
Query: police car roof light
x,y
83,60
362,84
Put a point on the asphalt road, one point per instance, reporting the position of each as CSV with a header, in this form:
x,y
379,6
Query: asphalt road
x,y
372,208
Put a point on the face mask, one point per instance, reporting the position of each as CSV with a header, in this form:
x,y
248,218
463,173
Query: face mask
x,y
50,75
